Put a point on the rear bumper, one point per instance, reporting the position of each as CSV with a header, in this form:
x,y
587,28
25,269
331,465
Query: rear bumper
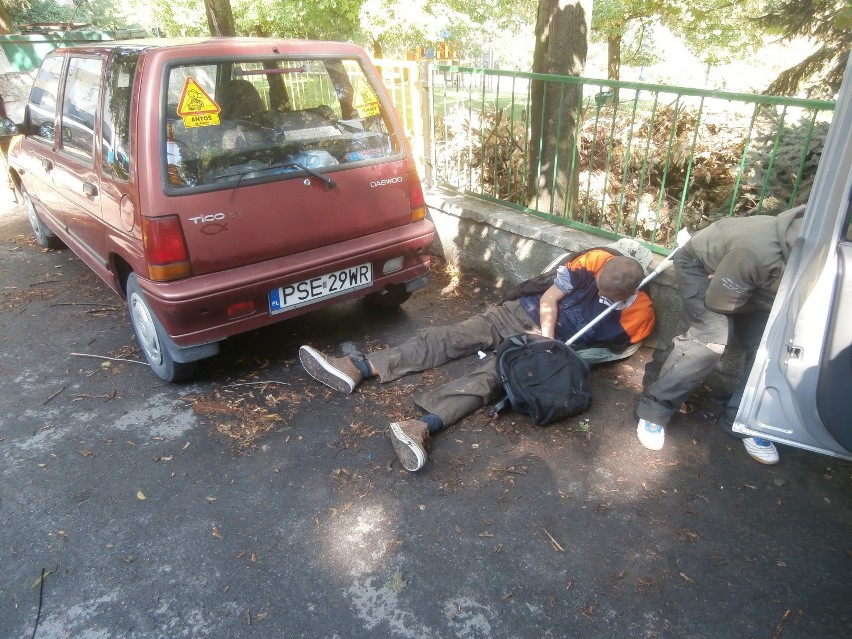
x,y
194,311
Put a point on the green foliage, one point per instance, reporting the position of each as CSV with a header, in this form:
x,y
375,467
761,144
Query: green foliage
x,y
716,31
396,25
98,13
826,22
310,19
28,12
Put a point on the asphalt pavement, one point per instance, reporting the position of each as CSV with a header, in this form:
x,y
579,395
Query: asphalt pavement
x,y
253,502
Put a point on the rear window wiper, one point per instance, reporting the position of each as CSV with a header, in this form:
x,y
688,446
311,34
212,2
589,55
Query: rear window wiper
x,y
283,165
321,177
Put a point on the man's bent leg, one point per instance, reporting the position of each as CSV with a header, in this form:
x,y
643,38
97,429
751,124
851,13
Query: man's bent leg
x,y
684,369
461,397
438,345
444,406
748,328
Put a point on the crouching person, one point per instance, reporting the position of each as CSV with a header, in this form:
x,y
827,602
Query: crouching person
x,y
727,275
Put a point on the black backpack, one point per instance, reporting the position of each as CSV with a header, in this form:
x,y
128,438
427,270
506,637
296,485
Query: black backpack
x,y
544,378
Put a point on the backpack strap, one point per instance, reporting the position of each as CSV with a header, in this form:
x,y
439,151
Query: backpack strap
x,y
500,407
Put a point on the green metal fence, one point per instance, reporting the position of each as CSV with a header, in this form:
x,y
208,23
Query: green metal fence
x,y
646,159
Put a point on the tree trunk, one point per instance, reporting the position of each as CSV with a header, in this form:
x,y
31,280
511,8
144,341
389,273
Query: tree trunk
x,y
5,22
377,50
613,56
220,18
613,62
562,31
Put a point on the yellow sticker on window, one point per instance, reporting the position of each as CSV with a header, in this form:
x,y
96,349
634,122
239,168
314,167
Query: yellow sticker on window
x,y
365,100
196,107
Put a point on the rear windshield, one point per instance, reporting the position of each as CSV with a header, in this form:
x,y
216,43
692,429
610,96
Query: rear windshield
x,y
238,121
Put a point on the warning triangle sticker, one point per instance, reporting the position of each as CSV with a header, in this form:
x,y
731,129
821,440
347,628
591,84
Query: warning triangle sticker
x,y
195,101
196,107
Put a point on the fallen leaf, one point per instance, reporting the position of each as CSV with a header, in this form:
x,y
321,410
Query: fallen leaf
x,y
686,534
216,533
42,577
397,583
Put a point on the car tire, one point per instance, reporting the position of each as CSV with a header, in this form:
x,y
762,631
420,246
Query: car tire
x,y
43,235
391,297
152,336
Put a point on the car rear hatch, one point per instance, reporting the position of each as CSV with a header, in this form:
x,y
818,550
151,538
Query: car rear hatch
x,y
275,157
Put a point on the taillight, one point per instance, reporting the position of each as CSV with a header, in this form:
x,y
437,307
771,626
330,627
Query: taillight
x,y
165,248
415,192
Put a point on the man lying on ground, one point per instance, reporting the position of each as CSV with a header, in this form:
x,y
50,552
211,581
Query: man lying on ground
x,y
583,288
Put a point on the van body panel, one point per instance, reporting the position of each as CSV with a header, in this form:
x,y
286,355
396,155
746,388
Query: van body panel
x,y
798,390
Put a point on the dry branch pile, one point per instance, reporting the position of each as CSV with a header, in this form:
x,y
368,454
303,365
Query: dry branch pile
x,y
483,151
638,173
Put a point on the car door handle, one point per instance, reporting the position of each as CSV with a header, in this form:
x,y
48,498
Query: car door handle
x,y
46,164
90,189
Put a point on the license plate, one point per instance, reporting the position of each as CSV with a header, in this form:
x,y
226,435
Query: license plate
x,y
319,288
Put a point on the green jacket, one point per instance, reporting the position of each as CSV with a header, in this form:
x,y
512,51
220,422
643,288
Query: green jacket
x,y
745,256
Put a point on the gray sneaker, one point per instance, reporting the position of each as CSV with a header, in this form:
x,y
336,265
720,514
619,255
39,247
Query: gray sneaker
x,y
411,441
338,373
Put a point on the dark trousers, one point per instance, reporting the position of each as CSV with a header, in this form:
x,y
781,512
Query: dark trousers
x,y
438,345
697,352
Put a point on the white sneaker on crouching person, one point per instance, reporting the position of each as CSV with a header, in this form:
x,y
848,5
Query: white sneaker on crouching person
x,y
761,449
650,435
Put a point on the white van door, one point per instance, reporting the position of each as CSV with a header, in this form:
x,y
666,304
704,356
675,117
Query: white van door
x,y
799,391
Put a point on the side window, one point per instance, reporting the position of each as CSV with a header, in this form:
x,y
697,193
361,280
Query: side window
x,y
79,106
41,108
115,128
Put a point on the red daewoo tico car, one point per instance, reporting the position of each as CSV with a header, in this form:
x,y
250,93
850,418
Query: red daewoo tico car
x,y
222,184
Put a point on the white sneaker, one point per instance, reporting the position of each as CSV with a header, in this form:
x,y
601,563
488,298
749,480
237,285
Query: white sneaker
x,y
761,449
650,435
